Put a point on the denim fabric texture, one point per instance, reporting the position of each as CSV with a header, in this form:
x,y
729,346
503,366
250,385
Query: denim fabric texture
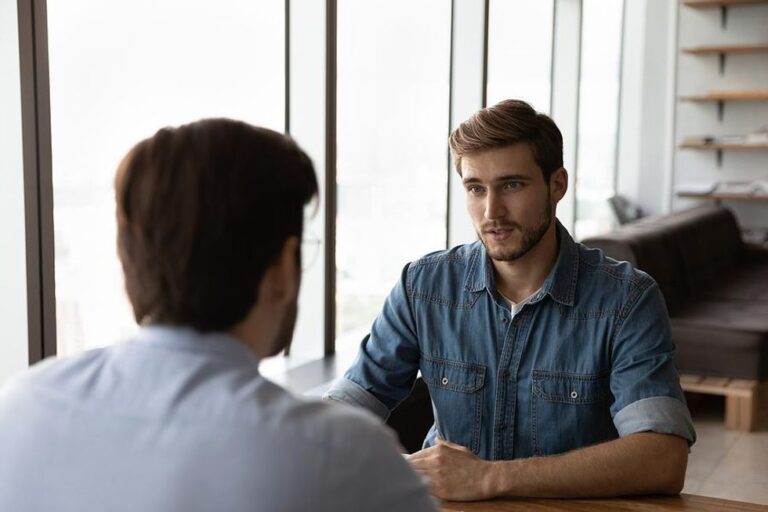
x,y
586,360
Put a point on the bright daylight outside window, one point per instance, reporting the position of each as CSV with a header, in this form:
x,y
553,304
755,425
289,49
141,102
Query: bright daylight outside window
x,y
393,79
520,51
118,72
598,115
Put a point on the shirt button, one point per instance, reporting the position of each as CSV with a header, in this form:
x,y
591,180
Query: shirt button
x,y
504,320
574,394
445,381
505,374
501,427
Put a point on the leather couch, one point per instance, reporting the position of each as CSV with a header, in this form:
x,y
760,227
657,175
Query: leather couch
x,y
715,285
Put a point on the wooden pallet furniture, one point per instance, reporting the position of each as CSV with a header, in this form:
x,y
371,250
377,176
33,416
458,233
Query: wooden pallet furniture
x,y
742,398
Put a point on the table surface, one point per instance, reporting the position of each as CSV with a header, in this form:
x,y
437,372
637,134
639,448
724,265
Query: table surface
x,y
660,503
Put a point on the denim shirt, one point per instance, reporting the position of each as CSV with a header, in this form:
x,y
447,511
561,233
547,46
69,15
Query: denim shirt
x,y
587,359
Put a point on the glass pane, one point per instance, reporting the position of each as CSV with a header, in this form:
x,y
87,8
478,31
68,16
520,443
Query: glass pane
x,y
14,353
393,78
520,51
598,115
119,71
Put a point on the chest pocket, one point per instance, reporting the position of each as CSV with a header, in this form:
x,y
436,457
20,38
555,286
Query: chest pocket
x,y
457,398
570,411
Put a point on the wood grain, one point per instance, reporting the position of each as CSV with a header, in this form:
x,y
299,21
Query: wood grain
x,y
687,502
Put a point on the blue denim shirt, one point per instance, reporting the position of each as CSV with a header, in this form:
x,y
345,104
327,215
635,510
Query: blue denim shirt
x,y
587,359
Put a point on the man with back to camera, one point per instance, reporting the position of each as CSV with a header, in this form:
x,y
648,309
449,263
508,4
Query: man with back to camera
x,y
178,418
549,365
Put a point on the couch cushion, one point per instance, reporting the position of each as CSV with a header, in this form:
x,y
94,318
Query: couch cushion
x,y
724,338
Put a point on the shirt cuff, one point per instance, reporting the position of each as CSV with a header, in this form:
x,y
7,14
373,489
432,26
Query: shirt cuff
x,y
662,414
349,392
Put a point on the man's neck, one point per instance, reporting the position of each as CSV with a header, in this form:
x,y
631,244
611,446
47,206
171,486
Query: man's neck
x,y
519,279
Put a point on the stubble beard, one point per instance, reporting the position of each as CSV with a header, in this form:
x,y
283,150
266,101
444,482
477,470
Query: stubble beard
x,y
530,238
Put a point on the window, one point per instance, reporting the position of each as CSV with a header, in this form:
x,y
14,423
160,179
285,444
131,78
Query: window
x,y
520,51
393,80
598,114
13,301
118,72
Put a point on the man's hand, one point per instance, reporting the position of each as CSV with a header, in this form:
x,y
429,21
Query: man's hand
x,y
453,472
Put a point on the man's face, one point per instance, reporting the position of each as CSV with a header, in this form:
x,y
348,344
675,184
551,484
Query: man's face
x,y
508,200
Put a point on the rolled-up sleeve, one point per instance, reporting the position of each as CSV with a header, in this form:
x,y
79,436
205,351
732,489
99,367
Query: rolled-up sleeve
x,y
644,381
387,362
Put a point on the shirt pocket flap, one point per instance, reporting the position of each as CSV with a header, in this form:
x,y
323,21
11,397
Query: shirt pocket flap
x,y
453,375
570,388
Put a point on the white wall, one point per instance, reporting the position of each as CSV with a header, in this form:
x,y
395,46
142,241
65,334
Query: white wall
x,y
13,292
654,122
697,74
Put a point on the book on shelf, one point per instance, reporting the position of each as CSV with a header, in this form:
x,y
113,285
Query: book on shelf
x,y
722,188
696,187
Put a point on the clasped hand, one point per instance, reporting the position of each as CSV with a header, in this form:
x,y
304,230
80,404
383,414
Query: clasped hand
x,y
453,472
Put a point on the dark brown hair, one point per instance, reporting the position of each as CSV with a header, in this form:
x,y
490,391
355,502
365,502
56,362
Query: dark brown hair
x,y
202,211
510,122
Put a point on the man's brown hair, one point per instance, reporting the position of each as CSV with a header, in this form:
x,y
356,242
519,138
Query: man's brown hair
x,y
510,122
202,211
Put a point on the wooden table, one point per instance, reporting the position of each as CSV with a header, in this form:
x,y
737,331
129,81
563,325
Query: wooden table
x,y
649,503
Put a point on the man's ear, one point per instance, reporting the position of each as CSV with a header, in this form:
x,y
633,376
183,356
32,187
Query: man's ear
x,y
558,184
282,278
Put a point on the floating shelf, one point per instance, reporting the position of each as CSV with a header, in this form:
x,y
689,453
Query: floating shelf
x,y
702,145
725,196
727,49
758,95
703,4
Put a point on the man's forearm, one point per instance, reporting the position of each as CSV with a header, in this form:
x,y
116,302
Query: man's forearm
x,y
643,463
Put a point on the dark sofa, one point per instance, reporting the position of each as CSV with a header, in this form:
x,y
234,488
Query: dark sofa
x,y
716,287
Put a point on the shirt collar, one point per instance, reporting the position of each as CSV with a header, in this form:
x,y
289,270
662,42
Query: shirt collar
x,y
560,284
187,339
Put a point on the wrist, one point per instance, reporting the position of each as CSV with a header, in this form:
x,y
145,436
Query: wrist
x,y
491,484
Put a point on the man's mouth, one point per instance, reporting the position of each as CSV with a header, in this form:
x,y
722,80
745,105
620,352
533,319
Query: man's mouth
x,y
498,234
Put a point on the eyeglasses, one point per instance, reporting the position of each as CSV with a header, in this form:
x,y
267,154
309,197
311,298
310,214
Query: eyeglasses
x,y
310,250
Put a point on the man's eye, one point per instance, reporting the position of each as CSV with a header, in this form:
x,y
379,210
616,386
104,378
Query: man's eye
x,y
512,185
475,190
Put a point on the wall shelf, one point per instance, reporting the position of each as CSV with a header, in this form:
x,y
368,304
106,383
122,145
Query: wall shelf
x,y
728,49
720,97
725,196
723,5
703,4
723,51
720,147
756,95
703,145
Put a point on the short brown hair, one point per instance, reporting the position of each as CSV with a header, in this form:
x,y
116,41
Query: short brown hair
x,y
202,211
510,122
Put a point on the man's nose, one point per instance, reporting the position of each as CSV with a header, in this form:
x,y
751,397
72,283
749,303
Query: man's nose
x,y
494,207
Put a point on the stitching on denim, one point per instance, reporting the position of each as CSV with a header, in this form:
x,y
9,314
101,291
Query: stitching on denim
x,y
557,375
441,258
477,371
570,313
534,422
472,264
441,301
478,421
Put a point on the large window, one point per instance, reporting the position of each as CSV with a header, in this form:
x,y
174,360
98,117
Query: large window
x,y
598,114
13,292
520,51
118,72
393,80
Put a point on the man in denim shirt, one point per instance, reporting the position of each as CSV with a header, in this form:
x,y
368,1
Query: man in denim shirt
x,y
549,365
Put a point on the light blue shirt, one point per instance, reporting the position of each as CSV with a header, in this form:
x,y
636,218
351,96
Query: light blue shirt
x,y
175,420
586,359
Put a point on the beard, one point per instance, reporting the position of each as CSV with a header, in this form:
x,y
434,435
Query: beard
x,y
531,236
